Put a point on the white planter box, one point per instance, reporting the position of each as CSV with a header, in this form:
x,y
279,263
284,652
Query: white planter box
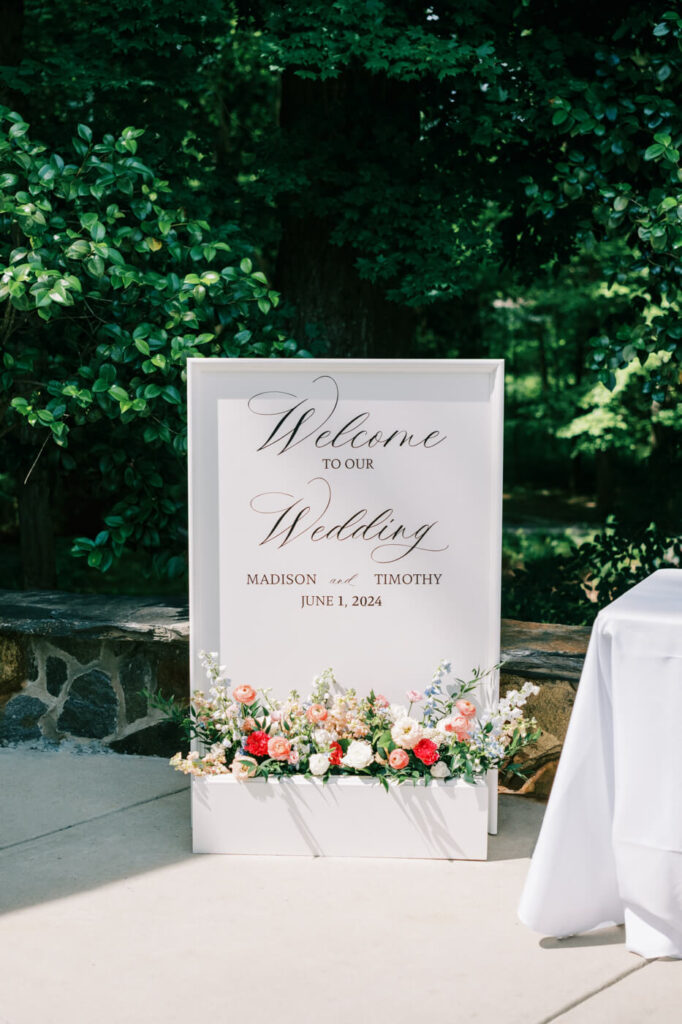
x,y
346,817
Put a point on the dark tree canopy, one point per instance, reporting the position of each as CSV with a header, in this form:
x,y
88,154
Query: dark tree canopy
x,y
498,178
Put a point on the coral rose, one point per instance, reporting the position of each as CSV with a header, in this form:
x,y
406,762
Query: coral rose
x,y
244,694
426,751
257,744
466,708
279,748
249,724
398,759
316,713
335,753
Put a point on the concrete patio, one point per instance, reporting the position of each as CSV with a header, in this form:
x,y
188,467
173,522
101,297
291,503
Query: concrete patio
x,y
108,917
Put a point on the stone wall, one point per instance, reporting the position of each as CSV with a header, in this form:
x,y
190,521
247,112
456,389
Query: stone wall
x,y
73,667
551,656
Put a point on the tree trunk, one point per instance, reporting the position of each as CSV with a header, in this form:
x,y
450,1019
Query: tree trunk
x,y
345,120
603,462
36,531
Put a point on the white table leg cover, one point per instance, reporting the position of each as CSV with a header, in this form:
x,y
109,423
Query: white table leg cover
x,y
610,848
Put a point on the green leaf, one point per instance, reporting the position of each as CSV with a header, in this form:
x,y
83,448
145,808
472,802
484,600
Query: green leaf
x,y
246,266
98,232
18,129
654,151
85,133
172,395
118,393
77,250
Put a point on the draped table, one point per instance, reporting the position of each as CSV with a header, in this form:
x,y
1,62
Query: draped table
x,y
610,847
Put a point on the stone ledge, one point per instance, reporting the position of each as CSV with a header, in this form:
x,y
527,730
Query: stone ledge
x,y
76,666
538,650
531,649
93,616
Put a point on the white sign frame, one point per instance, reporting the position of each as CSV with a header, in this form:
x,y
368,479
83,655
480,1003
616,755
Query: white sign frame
x,y
210,380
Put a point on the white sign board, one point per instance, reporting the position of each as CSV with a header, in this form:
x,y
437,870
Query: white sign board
x,y
345,514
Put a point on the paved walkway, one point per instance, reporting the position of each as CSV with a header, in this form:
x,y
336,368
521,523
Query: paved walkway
x,y
108,918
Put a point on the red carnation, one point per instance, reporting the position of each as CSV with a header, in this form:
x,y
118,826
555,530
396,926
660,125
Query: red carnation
x,y
257,744
426,751
336,753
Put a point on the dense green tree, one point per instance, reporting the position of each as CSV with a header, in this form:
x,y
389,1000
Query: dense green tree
x,y
421,179
106,289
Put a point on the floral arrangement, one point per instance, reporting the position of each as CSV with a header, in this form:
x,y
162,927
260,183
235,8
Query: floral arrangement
x,y
438,734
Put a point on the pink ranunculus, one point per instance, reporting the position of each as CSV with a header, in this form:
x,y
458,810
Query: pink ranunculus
x,y
380,701
461,727
414,696
294,757
249,724
398,759
466,708
279,748
316,713
244,694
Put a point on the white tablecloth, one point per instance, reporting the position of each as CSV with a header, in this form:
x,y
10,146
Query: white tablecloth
x,y
610,848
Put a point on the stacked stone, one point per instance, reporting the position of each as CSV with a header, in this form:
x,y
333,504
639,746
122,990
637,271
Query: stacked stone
x,y
89,688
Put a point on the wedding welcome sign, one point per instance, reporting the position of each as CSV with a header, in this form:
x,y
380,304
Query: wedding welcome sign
x,y
345,514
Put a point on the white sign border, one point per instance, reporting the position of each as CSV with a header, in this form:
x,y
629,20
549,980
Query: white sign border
x,y
203,481
204,591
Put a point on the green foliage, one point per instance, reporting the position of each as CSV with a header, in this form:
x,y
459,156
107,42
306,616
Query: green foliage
x,y
106,289
120,62
571,587
504,176
620,173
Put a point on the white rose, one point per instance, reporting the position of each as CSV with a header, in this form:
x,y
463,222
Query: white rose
x,y
243,768
439,770
318,763
359,755
406,733
322,737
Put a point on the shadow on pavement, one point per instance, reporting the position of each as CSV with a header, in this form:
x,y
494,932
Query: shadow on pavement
x,y
519,820
111,848
612,936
